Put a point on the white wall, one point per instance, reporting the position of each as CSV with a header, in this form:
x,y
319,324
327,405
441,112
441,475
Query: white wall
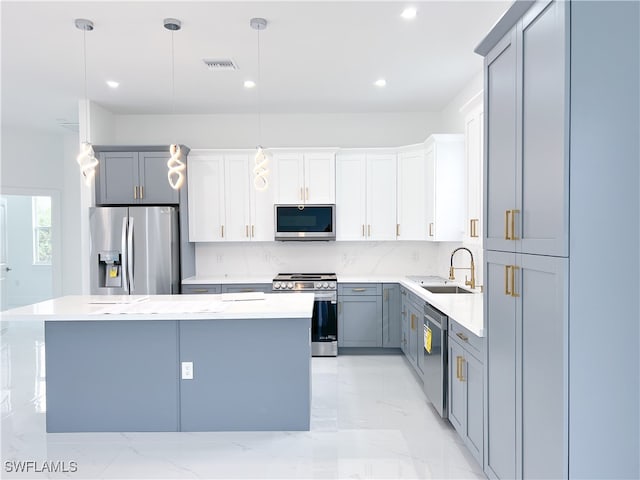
x,y
471,95
293,130
36,162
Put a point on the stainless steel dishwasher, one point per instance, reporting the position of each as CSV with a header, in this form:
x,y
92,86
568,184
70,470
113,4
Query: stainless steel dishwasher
x,y
435,358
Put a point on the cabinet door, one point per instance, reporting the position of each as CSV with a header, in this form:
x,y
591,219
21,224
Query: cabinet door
x,y
288,169
414,329
262,213
457,394
118,178
154,183
320,178
542,284
391,331
501,152
473,134
247,288
474,429
381,197
351,200
543,179
411,208
501,364
205,177
237,198
360,321
430,191
446,181
194,289
404,322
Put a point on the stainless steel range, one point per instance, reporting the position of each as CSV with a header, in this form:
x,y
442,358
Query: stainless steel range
x,y
324,323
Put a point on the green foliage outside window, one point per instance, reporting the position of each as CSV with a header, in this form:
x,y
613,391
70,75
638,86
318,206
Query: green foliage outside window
x,y
41,230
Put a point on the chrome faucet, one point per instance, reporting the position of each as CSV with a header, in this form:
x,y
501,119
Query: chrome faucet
x,y
471,283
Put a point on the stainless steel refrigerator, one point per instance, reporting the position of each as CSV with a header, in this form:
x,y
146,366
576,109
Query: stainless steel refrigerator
x,y
134,250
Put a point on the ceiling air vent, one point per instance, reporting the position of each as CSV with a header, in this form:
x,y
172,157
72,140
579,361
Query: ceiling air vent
x,y
219,65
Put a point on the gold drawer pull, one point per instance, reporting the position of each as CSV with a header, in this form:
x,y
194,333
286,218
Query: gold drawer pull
x,y
507,235
135,192
358,289
222,231
513,281
513,224
141,192
397,229
431,229
200,290
462,337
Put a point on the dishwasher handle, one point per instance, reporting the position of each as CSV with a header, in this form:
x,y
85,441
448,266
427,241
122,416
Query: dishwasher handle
x,y
435,316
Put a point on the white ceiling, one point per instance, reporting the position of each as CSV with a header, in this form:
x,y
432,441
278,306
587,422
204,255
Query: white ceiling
x,y
316,57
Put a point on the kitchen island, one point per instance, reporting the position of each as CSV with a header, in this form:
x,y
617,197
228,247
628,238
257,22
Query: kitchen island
x,y
176,363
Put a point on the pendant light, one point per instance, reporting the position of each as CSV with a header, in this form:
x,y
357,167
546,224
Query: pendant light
x,y
176,166
260,180
86,158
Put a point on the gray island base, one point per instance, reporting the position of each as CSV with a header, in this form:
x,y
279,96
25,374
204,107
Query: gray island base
x,y
251,368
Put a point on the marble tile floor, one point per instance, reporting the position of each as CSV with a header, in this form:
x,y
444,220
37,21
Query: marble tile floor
x,y
370,419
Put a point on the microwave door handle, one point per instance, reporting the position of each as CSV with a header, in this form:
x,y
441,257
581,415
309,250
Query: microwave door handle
x,y
125,258
130,255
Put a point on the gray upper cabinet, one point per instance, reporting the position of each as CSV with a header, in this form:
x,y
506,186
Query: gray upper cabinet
x,y
526,167
127,178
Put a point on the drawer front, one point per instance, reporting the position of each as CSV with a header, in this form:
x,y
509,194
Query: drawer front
x,y
246,287
359,289
472,343
204,288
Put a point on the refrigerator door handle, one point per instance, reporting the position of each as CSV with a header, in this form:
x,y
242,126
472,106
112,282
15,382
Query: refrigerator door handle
x,y
130,256
125,257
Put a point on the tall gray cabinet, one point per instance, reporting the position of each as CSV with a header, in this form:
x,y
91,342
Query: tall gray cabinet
x,y
561,153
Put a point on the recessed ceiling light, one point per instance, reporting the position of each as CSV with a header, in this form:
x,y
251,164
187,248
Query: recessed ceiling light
x,y
249,84
381,82
113,83
409,13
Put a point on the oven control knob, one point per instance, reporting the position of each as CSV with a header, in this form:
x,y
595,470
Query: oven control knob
x,y
325,285
332,286
276,285
290,285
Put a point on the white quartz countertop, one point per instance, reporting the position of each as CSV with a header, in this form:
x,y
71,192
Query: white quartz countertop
x,y
167,307
465,309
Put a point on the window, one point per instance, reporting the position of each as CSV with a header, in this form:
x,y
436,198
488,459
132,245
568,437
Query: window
x,y
41,215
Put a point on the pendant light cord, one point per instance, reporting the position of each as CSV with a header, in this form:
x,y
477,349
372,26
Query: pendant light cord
x,y
259,94
173,77
86,98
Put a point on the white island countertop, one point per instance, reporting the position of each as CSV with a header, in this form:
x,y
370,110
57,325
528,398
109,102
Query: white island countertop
x,y
167,307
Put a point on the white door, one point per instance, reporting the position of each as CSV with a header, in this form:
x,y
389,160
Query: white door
x,y
289,178
237,199
473,145
351,196
381,196
430,192
4,261
411,196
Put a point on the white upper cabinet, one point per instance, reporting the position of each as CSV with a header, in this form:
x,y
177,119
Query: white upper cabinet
x,y
473,145
444,187
304,177
412,206
205,181
366,195
223,204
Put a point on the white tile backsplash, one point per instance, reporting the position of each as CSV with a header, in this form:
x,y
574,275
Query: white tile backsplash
x,y
345,258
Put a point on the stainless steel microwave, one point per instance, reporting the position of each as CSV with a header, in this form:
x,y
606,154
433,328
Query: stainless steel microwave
x,y
305,222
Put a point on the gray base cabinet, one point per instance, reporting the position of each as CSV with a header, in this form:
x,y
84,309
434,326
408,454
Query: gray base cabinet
x,y
360,315
207,288
466,388
411,317
391,331
134,177
247,287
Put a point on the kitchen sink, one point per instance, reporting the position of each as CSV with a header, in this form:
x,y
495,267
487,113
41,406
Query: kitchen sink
x,y
446,289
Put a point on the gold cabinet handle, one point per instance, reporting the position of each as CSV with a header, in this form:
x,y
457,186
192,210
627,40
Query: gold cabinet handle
x,y
431,229
246,231
458,367
462,337
473,227
199,290
307,190
253,231
222,231
513,281
513,224
339,307
413,325
141,192
461,368
363,229
301,193
135,192
386,294
368,230
507,235
358,289
506,279
397,229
